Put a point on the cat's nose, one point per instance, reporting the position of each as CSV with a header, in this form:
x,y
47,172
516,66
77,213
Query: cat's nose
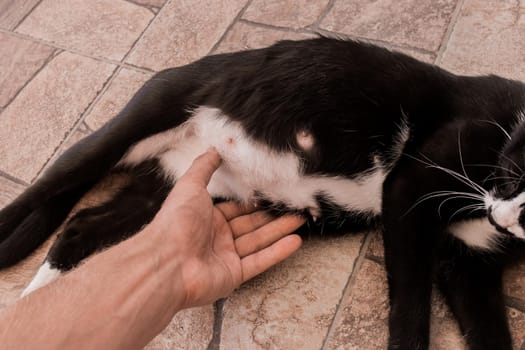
x,y
504,215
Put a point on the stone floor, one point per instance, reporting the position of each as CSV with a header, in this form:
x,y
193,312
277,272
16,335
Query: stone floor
x,y
66,67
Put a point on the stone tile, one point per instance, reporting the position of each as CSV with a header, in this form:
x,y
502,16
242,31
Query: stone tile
x,y
364,321
194,27
103,28
514,281
20,59
13,11
36,122
292,305
9,190
488,38
190,329
119,92
289,13
517,327
243,36
417,23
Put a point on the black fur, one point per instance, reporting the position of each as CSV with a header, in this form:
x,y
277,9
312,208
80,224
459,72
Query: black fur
x,y
352,97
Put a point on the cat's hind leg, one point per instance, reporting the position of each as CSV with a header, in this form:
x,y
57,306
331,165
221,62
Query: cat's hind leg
x,y
94,229
162,103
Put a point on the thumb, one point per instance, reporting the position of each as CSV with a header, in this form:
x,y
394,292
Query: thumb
x,y
202,168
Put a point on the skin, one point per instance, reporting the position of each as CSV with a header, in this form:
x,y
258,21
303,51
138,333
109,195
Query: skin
x,y
191,254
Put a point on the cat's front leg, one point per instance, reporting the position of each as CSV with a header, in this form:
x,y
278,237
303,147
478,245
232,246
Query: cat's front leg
x,y
471,282
409,239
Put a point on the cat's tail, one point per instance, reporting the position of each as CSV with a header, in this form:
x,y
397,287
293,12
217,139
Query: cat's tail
x,y
162,103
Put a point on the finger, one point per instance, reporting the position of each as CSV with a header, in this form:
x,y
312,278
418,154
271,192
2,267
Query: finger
x,y
266,235
254,264
248,223
203,168
231,210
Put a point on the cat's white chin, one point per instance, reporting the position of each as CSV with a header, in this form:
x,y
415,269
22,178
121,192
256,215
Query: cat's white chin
x,y
45,275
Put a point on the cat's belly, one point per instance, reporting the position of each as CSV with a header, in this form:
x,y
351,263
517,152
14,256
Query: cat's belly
x,y
251,170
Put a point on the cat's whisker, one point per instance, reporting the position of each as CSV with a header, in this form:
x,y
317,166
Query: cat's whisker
x,y
495,167
495,123
437,194
465,180
467,207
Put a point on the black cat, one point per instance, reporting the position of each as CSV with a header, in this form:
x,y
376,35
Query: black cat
x,y
351,135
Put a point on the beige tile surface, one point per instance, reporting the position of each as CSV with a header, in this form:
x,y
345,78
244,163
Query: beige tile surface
x,y
291,306
194,27
190,329
285,13
9,190
119,92
417,23
488,38
20,59
102,28
13,11
244,36
37,121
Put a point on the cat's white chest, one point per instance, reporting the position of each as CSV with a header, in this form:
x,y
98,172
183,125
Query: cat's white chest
x,y
250,168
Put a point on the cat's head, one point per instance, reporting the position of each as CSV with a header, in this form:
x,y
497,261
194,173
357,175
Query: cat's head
x,y
505,203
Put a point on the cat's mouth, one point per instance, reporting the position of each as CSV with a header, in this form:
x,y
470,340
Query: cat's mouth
x,y
496,225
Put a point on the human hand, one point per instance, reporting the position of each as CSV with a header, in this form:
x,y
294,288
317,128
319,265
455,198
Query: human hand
x,y
219,247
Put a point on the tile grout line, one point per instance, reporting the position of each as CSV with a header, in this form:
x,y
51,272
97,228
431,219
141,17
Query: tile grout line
x,y
235,20
347,289
56,153
73,51
27,15
141,35
13,178
218,315
515,303
51,57
150,8
273,27
323,14
448,33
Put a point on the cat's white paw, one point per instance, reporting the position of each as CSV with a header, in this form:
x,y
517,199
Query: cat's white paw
x,y
46,274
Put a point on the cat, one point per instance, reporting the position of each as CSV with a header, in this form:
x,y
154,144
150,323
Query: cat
x,y
352,135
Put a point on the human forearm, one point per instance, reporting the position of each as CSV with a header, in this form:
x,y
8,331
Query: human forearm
x,y
121,298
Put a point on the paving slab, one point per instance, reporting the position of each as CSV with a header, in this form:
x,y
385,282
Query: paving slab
x,y
20,59
194,28
416,23
291,306
488,38
44,112
286,13
118,93
13,11
101,28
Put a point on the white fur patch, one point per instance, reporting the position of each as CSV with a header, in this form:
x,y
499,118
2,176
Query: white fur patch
x,y
45,275
249,166
506,213
476,233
